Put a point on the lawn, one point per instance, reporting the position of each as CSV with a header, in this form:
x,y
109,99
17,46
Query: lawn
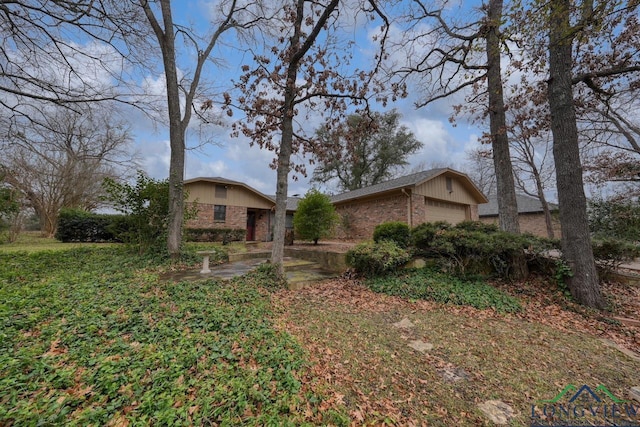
x,y
92,336
32,241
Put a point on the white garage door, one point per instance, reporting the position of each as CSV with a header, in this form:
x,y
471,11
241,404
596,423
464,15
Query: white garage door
x,y
443,211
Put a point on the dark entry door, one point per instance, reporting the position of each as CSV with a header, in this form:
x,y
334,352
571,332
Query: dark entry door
x,y
251,226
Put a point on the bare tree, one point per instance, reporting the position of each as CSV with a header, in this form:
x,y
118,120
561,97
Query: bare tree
x,y
61,161
534,171
64,53
481,170
578,24
610,128
304,70
531,148
464,57
182,92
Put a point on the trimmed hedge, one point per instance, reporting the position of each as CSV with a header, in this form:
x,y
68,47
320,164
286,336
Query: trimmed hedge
x,y
224,235
76,225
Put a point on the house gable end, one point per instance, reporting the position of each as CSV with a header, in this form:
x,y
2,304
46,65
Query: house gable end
x,y
208,190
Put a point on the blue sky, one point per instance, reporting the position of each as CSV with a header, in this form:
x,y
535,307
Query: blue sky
x,y
233,158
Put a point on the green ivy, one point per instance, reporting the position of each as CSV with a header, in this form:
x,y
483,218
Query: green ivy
x,y
89,336
562,274
429,284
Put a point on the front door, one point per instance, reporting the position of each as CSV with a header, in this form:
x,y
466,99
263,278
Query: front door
x,y
251,226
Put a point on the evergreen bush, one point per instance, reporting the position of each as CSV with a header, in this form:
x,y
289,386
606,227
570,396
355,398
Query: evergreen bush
x,y
315,217
394,231
77,225
373,259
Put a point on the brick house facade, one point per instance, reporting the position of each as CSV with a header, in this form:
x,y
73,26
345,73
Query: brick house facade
x,y
226,204
434,195
530,216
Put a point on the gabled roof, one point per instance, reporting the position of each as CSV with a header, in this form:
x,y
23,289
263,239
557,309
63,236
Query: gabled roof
x,y
225,181
292,201
409,181
526,204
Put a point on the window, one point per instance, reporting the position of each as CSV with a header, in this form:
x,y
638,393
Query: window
x,y
221,191
449,184
219,213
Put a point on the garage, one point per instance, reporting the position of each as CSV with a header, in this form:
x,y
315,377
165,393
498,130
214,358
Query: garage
x,y
444,211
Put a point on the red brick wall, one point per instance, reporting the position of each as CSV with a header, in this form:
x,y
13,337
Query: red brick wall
x,y
361,218
418,210
262,225
533,223
236,217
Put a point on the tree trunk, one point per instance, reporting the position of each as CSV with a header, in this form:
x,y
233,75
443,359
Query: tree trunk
x,y
299,47
282,187
166,39
47,221
543,201
284,165
576,240
506,191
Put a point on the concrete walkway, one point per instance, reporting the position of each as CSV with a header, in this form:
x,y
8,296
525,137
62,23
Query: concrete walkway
x,y
299,272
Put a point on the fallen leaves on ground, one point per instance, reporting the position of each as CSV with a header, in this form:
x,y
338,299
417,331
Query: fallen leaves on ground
x,y
406,399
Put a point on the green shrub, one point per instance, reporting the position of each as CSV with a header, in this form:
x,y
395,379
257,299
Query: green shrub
x,y
610,253
9,207
476,248
615,219
436,286
562,273
215,234
477,226
145,206
77,225
423,235
372,259
394,231
315,217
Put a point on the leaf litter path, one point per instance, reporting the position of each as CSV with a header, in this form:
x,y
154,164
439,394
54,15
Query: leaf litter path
x,y
386,359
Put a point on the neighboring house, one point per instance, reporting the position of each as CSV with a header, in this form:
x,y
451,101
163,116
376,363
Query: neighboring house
x,y
223,203
432,195
530,215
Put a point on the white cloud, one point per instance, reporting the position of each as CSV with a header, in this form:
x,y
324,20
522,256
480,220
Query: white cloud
x,y
155,157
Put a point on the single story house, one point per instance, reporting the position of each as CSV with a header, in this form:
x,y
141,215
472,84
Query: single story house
x,y
433,195
530,215
223,203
